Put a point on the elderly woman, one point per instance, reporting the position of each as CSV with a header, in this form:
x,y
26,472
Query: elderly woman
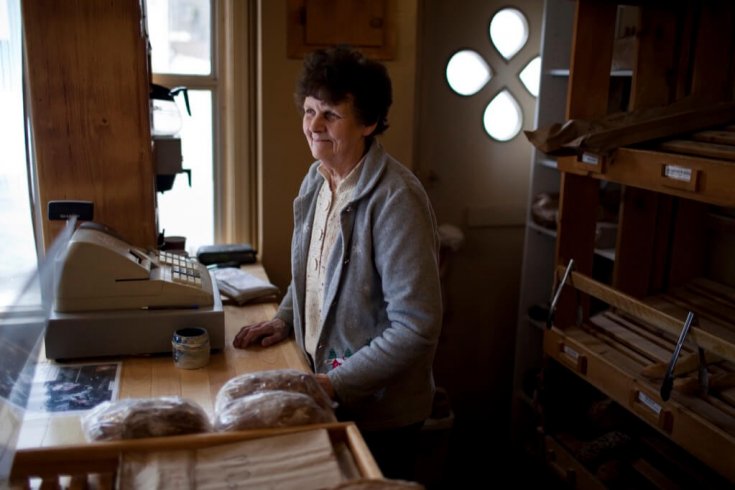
x,y
364,301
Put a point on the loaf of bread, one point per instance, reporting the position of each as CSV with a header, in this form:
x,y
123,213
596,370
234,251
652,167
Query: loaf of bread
x,y
134,418
268,409
277,379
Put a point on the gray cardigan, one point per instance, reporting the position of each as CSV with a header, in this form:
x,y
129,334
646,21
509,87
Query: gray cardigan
x,y
382,313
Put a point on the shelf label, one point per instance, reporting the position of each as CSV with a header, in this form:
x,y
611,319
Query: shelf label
x,y
649,402
570,352
676,172
590,158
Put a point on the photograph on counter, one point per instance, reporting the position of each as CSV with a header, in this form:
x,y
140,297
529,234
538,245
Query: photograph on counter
x,y
61,389
19,345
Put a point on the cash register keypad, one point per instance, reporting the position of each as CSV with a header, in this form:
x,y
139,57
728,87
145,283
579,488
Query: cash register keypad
x,y
183,269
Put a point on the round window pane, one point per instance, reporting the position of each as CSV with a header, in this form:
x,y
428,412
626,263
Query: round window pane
x,y
467,72
503,117
509,31
531,75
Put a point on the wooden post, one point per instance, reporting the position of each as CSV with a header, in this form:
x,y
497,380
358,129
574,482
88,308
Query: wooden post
x,y
88,80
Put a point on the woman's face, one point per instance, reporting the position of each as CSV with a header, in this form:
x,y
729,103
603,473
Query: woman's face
x,y
333,132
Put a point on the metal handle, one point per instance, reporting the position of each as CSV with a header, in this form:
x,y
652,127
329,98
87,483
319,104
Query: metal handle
x,y
668,382
557,293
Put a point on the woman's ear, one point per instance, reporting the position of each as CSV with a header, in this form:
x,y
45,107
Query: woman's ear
x,y
368,130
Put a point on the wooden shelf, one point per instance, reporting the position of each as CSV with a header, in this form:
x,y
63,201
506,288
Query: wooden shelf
x,y
670,256
606,447
611,350
700,179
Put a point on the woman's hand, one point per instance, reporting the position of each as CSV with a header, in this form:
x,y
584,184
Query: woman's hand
x,y
266,333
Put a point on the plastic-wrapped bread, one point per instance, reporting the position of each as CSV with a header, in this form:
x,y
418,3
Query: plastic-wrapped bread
x,y
134,418
277,379
268,409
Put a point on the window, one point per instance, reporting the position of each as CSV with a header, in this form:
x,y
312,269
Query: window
x,y
531,76
181,33
468,73
209,47
17,242
221,201
509,32
503,117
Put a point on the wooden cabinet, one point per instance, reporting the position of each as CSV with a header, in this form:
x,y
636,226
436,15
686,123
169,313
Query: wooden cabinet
x,y
88,96
364,24
675,223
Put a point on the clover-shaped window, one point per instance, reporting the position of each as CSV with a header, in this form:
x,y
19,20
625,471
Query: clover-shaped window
x,y
509,32
468,73
531,75
503,117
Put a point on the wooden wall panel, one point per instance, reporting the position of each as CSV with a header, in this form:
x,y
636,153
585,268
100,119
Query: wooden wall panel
x,y
88,80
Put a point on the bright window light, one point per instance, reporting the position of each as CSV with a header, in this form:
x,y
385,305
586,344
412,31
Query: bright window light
x,y
503,117
17,240
531,76
509,31
180,33
188,211
467,72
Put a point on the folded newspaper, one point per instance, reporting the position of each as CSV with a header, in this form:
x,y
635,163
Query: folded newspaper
x,y
242,286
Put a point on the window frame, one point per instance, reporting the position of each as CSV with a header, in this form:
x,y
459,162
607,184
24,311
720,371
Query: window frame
x,y
232,82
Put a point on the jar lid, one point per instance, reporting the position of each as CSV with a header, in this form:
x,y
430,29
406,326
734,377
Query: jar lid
x,y
191,336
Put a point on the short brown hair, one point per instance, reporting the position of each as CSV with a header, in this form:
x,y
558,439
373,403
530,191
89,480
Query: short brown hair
x,y
335,74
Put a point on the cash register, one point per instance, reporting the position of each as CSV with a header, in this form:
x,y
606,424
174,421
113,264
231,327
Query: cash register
x,y
115,299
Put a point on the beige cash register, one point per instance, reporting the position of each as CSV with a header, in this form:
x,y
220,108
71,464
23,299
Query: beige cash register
x,y
116,299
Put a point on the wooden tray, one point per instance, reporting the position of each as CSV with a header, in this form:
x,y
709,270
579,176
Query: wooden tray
x,y
95,464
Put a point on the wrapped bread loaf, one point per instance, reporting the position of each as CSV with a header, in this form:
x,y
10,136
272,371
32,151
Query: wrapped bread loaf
x,y
268,409
134,418
277,379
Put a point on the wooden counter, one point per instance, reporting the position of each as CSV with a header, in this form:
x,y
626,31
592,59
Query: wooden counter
x,y
54,450
157,376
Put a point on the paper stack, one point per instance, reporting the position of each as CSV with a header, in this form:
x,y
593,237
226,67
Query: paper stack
x,y
242,286
299,461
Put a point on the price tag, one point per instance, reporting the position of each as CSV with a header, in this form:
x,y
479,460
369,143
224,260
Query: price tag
x,y
676,172
590,162
590,159
679,177
649,402
570,352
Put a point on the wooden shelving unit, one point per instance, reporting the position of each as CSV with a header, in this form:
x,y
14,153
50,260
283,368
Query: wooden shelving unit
x,y
540,239
612,350
670,257
538,254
